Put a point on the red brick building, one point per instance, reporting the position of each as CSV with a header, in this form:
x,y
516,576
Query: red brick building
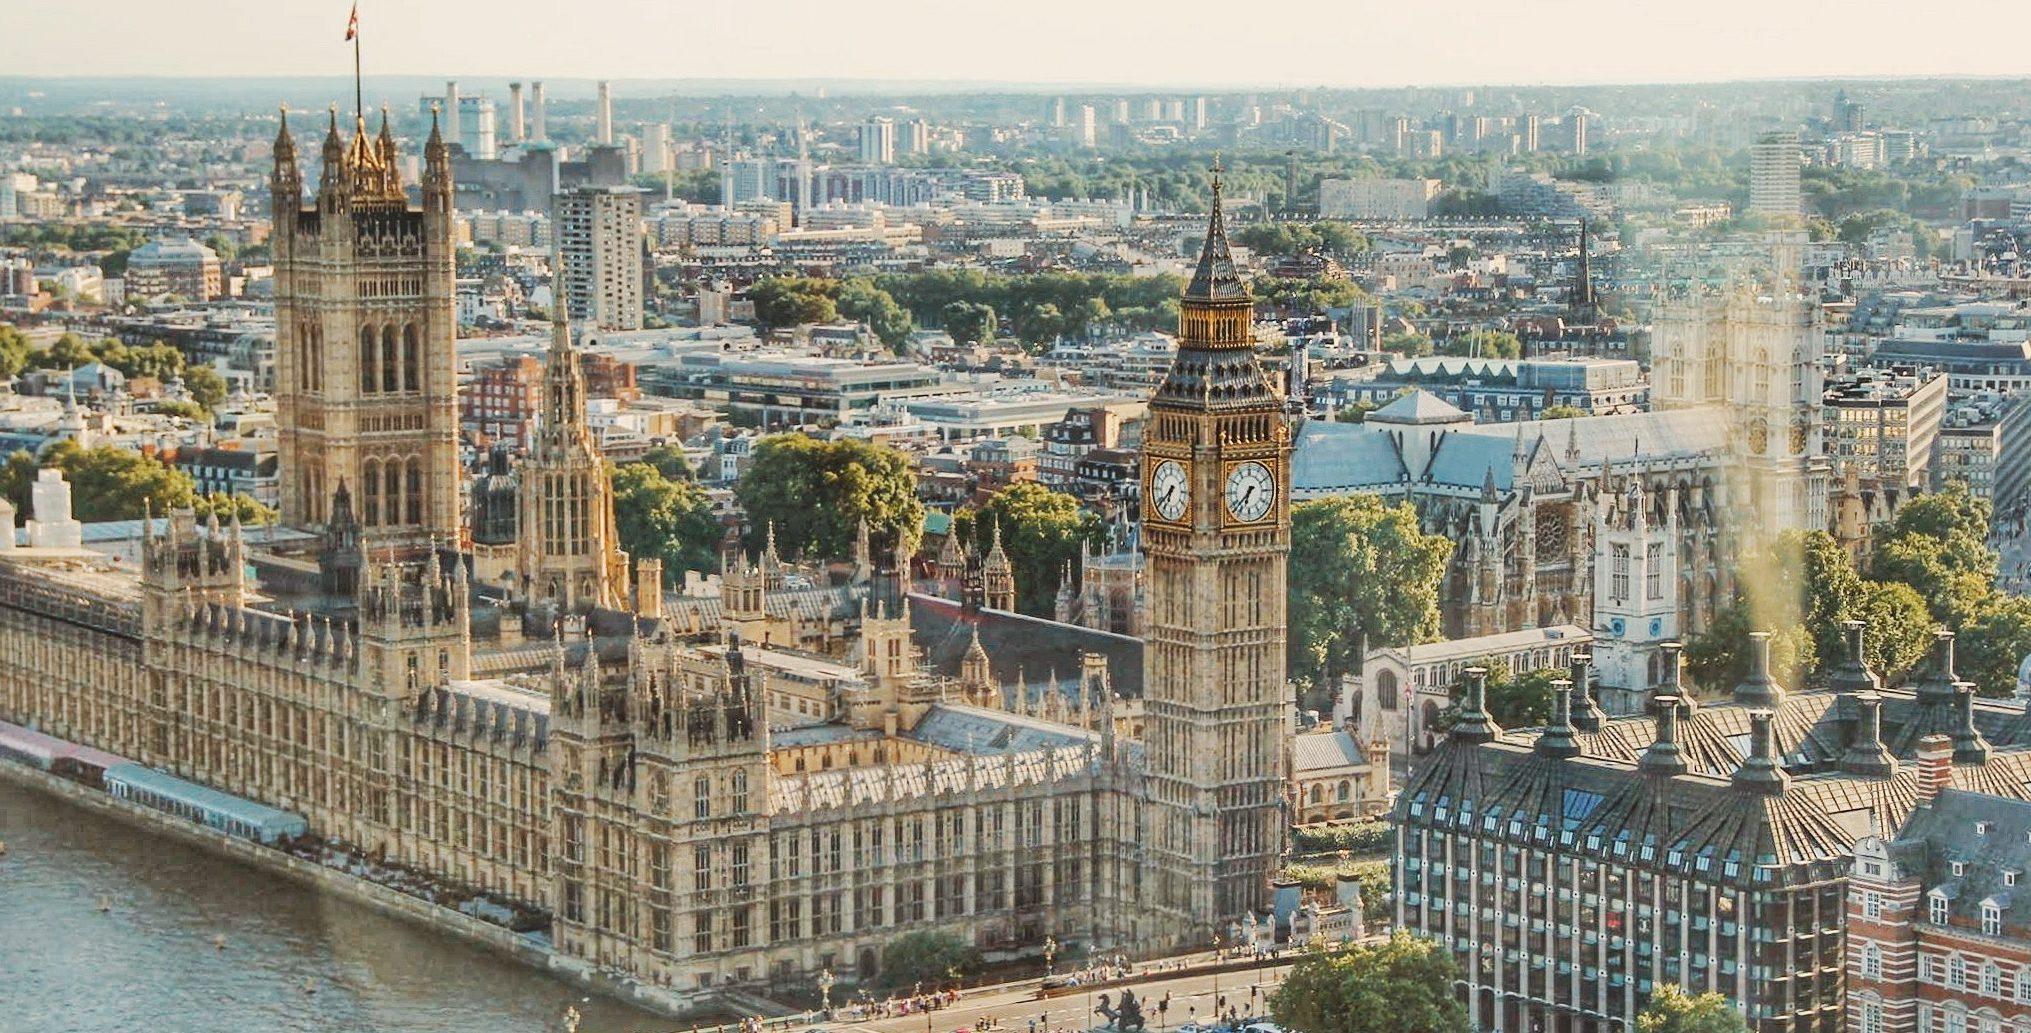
x,y
501,401
1939,927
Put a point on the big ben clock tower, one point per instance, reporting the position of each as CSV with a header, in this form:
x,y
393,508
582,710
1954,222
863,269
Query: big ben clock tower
x,y
1216,525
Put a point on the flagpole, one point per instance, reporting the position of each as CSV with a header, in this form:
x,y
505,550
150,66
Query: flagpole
x,y
359,91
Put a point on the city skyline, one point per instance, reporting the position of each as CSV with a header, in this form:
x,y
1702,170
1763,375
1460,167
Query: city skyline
x,y
1057,44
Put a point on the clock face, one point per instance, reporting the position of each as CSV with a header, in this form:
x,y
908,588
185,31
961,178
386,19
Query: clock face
x,y
1170,490
1759,436
1251,490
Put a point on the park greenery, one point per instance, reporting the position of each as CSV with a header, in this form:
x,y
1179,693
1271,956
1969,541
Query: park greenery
x,y
1400,985
1931,567
158,361
1042,531
814,495
1513,700
1362,575
1036,309
1673,1010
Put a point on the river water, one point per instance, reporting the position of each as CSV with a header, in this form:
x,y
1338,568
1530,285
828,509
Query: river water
x,y
151,964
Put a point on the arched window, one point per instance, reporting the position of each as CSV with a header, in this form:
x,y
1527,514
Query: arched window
x,y
410,368
1346,791
390,361
1872,962
370,505
2022,989
1316,795
1992,980
413,498
740,792
391,493
701,797
1956,972
368,354
1386,691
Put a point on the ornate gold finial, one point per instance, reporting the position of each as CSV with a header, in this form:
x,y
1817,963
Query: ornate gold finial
x,y
1218,168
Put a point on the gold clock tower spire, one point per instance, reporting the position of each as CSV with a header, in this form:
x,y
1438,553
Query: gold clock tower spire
x,y
1216,518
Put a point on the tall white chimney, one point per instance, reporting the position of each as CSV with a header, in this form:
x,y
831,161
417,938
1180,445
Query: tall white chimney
x,y
536,103
515,113
605,133
451,114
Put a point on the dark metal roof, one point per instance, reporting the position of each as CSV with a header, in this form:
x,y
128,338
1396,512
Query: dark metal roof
x,y
1019,646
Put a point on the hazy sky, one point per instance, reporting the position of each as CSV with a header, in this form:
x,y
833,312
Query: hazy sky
x,y
1183,42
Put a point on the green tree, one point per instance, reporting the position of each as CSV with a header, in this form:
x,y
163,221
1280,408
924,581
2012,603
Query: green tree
x,y
1561,412
1408,343
927,958
1305,296
1990,647
816,493
782,302
861,300
240,504
670,461
107,483
69,352
1356,412
1672,1010
1811,582
1938,544
1484,344
1717,658
1361,572
158,361
205,385
1404,984
1041,530
661,518
1514,701
187,410
970,322
1900,628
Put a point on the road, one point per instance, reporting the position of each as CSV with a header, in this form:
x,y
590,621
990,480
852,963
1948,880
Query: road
x,y
1192,997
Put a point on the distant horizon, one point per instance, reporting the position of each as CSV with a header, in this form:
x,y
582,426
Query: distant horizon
x,y
1140,44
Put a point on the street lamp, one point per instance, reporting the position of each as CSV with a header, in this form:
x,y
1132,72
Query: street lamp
x,y
1050,954
1216,979
825,981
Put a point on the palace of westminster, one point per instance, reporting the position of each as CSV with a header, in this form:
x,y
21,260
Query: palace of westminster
x,y
704,797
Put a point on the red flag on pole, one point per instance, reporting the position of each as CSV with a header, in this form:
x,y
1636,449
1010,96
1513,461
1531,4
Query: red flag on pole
x,y
353,23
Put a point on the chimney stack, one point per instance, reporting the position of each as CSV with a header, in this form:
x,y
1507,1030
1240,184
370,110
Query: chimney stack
x,y
1968,745
1475,726
451,114
536,106
1868,756
1852,675
1674,682
1557,739
1757,688
1664,758
1587,714
515,124
1936,682
1761,772
1935,767
604,134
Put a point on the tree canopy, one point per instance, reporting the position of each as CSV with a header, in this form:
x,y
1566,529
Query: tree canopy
x,y
1361,571
667,519
1041,530
1513,700
107,483
1401,985
1672,1010
815,493
929,958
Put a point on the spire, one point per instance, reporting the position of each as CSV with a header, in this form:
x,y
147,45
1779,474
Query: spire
x,y
1475,725
1664,758
285,144
334,156
1215,279
1557,740
1760,772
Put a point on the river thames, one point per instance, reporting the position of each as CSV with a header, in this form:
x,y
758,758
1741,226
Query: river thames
x,y
151,961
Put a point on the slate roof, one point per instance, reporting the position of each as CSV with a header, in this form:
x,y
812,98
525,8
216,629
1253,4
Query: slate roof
x,y
1020,646
1943,833
1215,278
1600,804
1336,457
969,729
1419,407
1324,751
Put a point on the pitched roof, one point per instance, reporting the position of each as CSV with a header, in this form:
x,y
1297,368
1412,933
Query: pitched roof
x,y
1324,751
1335,457
1215,279
1020,646
1419,407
